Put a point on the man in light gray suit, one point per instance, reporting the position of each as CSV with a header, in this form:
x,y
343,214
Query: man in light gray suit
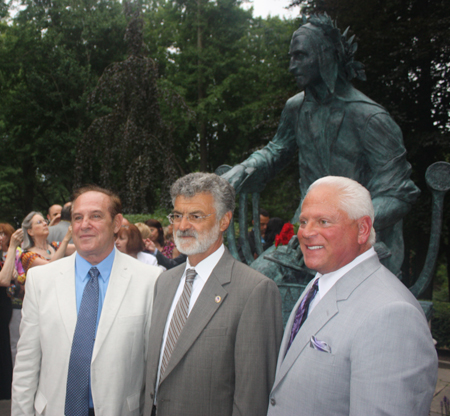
x,y
362,346
216,325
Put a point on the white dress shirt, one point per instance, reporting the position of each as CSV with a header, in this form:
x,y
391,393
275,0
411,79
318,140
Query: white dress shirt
x,y
328,280
204,270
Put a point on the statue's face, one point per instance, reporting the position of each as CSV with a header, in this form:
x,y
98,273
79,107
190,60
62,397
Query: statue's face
x,y
304,63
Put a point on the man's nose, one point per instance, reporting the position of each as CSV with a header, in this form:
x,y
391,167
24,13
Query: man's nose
x,y
308,230
85,223
184,223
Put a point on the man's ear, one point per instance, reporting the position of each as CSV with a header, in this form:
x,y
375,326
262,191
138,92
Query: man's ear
x,y
117,222
364,228
225,221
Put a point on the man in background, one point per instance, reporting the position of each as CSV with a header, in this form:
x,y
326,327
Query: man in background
x,y
54,212
58,231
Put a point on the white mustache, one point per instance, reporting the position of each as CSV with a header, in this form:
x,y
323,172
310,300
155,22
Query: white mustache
x,y
187,233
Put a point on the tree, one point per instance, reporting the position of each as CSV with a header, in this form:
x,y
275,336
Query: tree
x,y
51,56
127,148
229,73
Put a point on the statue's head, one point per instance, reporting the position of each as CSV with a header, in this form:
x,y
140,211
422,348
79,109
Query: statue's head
x,y
320,53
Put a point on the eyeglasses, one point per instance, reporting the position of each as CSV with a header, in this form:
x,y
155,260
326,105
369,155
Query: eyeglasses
x,y
39,222
192,218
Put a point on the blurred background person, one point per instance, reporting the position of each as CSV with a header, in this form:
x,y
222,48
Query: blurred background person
x,y
129,241
36,252
274,227
168,233
144,229
9,241
150,247
54,214
157,236
58,231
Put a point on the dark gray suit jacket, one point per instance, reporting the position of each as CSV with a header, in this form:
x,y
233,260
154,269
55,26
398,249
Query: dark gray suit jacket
x,y
224,361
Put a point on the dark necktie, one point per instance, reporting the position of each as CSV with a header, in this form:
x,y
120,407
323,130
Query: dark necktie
x,y
179,318
302,312
77,390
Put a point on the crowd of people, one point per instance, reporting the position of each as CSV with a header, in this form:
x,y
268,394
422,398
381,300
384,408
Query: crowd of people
x,y
40,241
104,333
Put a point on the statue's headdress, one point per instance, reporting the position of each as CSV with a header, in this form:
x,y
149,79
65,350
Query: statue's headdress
x,y
336,52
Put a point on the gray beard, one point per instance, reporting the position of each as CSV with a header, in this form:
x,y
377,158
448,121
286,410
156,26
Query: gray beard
x,y
202,241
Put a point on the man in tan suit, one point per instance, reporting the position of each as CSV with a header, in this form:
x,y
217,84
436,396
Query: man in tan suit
x,y
216,327
56,372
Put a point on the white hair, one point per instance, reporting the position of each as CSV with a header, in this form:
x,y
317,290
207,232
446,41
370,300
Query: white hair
x,y
354,199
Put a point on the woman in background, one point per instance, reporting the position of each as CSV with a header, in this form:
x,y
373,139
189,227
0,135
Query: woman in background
x,y
129,241
157,236
9,241
36,252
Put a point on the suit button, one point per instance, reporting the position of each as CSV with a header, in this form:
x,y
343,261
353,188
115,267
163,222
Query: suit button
x,y
272,402
152,396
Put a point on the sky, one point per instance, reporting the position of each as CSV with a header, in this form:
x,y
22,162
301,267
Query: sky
x,y
273,7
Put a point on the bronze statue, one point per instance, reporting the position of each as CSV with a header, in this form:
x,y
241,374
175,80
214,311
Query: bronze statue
x,y
337,131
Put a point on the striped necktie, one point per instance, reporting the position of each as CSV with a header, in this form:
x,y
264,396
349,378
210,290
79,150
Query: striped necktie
x,y
179,318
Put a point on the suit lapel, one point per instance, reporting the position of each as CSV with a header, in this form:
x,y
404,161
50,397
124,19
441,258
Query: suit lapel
x,y
66,296
204,309
322,313
325,310
117,288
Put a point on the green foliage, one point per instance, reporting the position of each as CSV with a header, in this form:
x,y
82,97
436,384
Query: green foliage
x,y
159,214
50,57
440,289
224,78
440,324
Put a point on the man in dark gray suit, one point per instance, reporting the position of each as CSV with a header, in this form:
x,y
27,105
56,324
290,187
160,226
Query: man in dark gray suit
x,y
217,326
362,346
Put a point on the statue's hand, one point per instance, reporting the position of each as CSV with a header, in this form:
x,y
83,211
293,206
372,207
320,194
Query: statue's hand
x,y
235,176
239,177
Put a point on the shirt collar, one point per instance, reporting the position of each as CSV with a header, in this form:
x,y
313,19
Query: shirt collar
x,y
104,267
327,280
206,266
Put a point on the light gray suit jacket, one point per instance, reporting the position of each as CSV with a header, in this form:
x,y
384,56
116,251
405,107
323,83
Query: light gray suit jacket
x,y
382,359
224,361
120,349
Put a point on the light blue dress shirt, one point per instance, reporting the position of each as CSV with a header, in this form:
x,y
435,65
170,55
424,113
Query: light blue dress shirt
x,y
82,276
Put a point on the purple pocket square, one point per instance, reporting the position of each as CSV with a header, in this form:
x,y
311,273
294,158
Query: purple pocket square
x,y
319,345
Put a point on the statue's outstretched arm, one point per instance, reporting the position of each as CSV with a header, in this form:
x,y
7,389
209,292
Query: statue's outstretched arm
x,y
253,174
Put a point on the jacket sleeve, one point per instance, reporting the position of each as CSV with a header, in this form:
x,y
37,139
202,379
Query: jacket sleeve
x,y
28,359
258,341
393,363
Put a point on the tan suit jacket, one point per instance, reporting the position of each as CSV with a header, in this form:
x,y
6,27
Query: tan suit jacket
x,y
120,349
224,361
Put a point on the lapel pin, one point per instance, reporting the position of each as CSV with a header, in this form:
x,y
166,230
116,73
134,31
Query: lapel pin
x,y
217,299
